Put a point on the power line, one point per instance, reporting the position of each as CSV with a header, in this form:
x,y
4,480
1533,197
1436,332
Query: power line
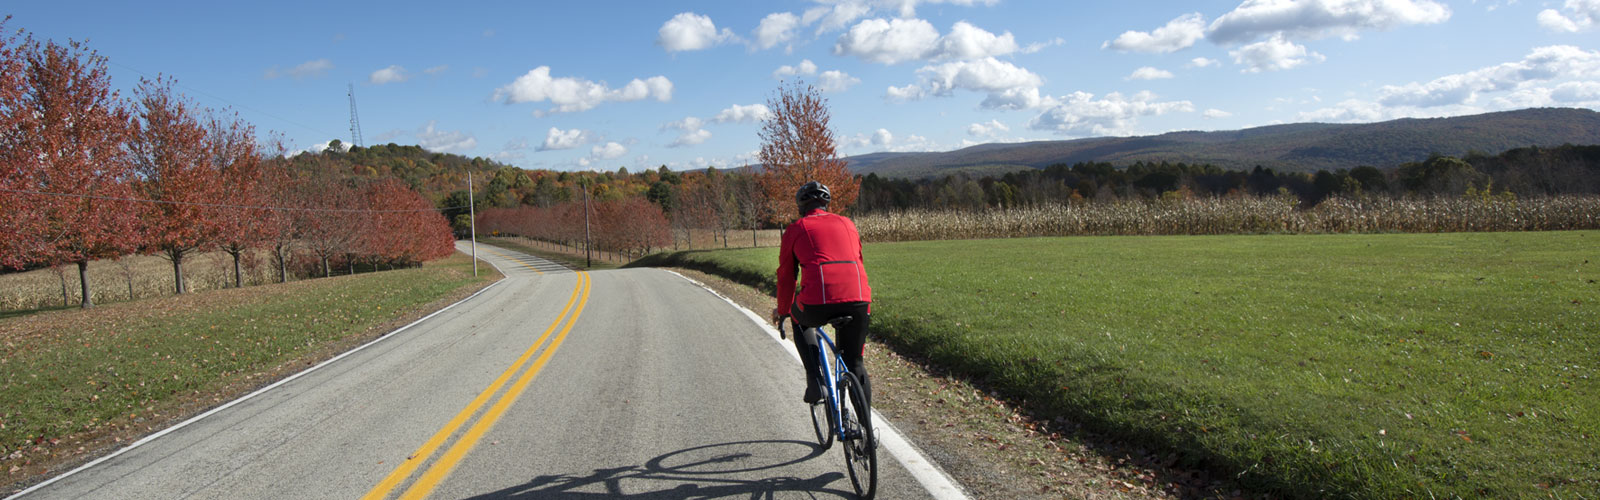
x,y
219,205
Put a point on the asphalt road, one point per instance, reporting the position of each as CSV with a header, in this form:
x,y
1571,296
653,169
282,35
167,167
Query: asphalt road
x,y
551,384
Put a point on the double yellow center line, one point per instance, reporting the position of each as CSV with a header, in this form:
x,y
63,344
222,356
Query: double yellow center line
x,y
441,468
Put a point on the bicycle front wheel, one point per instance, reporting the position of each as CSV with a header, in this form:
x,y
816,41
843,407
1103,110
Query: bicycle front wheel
x,y
860,442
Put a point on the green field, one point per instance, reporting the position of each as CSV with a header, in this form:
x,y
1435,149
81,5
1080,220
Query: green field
x,y
72,377
1364,366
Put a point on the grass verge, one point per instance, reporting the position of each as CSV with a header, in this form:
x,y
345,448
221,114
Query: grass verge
x,y
76,381
1363,366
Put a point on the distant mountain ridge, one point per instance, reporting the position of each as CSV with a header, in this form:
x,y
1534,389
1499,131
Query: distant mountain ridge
x,y
1298,147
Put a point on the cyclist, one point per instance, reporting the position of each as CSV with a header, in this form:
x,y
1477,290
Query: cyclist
x,y
826,250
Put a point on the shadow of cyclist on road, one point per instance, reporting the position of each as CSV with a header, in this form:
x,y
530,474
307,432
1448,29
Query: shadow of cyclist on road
x,y
710,471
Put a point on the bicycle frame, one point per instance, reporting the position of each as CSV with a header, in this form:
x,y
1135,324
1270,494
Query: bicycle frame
x,y
833,372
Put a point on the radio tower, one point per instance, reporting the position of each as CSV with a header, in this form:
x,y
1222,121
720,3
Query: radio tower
x,y
355,121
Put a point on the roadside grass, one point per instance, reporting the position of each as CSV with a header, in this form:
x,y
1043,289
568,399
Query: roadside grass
x,y
72,380
1360,366
527,246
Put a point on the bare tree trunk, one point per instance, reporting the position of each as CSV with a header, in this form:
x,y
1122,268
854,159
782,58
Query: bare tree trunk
x,y
83,279
326,271
62,273
177,269
238,280
283,266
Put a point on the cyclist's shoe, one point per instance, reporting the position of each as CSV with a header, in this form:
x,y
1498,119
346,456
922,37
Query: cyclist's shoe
x,y
813,394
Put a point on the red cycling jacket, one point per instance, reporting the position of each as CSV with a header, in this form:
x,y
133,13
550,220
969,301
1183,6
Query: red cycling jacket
x,y
827,250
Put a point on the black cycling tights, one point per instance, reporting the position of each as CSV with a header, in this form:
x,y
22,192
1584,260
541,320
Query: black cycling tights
x,y
850,339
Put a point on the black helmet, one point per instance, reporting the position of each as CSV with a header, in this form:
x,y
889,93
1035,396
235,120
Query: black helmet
x,y
813,193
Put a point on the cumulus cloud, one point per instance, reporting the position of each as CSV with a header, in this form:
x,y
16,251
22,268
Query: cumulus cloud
x,y
573,94
836,81
1009,86
1038,46
990,129
308,69
966,41
1178,34
1557,62
442,141
1273,54
1081,115
1215,113
888,41
900,40
806,67
607,151
1201,62
750,113
690,31
883,140
391,74
774,29
1315,19
694,132
1149,73
558,139
1581,15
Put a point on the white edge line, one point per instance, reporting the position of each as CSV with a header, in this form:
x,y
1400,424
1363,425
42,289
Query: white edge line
x,y
935,480
246,397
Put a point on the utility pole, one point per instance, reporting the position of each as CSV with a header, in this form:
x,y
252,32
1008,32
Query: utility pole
x,y
587,259
472,212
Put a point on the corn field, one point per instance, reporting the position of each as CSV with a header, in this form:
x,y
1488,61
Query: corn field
x,y
128,278
1238,215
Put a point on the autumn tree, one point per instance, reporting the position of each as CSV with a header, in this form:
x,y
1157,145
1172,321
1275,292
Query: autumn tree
x,y
18,219
62,147
233,153
173,159
797,147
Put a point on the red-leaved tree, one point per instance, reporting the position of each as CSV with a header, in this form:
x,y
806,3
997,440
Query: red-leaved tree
x,y
797,147
173,159
234,155
63,148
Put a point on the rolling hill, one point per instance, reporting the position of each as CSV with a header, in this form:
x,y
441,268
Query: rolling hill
x,y
1300,147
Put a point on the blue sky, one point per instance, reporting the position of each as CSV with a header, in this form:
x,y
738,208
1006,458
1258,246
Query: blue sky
x,y
602,85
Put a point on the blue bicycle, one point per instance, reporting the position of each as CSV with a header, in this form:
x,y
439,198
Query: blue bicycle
x,y
844,411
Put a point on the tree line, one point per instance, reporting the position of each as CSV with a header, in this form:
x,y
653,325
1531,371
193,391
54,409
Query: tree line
x,y
86,174
1525,172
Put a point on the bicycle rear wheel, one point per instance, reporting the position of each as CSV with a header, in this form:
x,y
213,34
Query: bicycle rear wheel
x,y
819,424
860,442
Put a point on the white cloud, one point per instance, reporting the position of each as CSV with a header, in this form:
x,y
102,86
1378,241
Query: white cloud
x,y
883,140
1081,115
737,113
965,42
899,40
882,137
318,148
776,28
608,151
1178,34
835,81
1576,92
806,67
907,93
440,141
391,74
888,42
1201,62
1215,113
1314,19
1038,46
1149,73
690,31
1557,62
1581,15
308,69
437,69
572,94
1273,54
558,139
1009,86
691,138
990,129
836,18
